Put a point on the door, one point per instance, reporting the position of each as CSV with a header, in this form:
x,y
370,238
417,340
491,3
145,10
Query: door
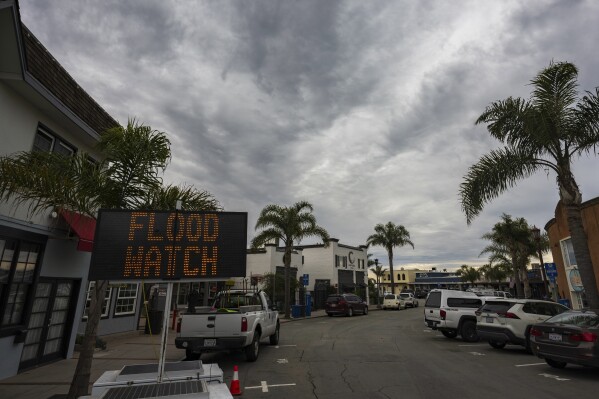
x,y
50,322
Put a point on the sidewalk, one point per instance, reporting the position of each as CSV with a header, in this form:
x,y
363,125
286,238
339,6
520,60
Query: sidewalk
x,y
132,347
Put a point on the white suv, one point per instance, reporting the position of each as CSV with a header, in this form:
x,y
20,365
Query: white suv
x,y
508,321
452,313
407,299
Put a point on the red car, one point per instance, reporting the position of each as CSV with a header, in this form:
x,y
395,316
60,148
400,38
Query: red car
x,y
345,304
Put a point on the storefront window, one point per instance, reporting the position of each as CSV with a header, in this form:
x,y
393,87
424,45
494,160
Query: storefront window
x,y
126,300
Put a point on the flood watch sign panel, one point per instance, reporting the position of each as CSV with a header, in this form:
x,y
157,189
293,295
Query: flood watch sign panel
x,y
159,245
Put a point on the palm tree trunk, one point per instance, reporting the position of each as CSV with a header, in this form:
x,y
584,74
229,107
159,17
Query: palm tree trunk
x,y
582,254
287,262
81,378
390,253
517,282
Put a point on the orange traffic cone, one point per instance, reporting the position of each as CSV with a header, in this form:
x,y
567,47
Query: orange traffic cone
x,y
235,388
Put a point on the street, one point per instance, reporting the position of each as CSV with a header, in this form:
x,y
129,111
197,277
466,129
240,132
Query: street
x,y
390,354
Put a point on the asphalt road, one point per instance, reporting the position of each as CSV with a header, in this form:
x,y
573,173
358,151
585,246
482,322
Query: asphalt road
x,y
390,354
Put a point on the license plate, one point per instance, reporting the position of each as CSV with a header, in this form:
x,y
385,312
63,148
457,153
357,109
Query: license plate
x,y
555,337
489,320
210,342
333,305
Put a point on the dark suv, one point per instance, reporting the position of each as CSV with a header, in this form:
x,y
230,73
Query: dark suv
x,y
345,304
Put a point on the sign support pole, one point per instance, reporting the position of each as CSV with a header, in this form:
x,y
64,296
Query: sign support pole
x,y
167,308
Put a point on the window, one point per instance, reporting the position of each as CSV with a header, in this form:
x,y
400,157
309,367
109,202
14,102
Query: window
x,y
464,303
18,264
340,261
433,300
89,300
45,141
403,276
568,253
126,299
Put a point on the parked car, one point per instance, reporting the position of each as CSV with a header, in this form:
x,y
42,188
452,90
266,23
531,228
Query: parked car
x,y
508,321
345,304
421,293
391,301
452,313
407,299
570,337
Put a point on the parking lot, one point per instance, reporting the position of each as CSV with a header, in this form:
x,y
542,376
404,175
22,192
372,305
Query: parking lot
x,y
390,354
385,354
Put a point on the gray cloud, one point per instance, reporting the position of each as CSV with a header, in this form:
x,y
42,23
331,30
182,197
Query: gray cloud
x,y
365,109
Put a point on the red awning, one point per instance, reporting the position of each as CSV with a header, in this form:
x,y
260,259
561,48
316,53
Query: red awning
x,y
83,226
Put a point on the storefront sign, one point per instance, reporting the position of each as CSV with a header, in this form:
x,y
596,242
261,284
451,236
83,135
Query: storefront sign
x,y
152,245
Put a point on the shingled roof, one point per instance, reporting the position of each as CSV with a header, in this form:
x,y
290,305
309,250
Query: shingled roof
x,y
43,67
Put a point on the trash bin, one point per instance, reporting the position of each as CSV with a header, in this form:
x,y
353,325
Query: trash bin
x,y
154,322
297,311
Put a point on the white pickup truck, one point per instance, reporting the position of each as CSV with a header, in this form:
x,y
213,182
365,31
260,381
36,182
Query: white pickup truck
x,y
237,320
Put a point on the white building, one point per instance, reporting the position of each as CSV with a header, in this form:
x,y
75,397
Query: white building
x,y
335,268
44,260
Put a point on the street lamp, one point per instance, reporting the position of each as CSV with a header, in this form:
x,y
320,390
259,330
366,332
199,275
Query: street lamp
x,y
378,280
536,233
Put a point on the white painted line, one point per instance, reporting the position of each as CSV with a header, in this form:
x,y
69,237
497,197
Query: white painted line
x,y
282,361
476,354
529,364
282,346
555,377
264,386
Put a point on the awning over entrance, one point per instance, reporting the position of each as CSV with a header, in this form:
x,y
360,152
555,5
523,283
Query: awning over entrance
x,y
83,226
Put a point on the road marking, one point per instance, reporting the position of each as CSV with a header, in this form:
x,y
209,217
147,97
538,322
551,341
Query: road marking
x,y
530,364
282,346
282,361
264,386
474,345
427,331
476,354
555,377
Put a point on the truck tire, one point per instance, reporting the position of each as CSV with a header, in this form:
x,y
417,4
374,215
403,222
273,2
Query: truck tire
x,y
190,355
274,339
449,333
252,350
468,331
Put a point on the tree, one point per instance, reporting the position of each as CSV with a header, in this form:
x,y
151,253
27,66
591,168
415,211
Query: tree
x,y
127,178
379,272
390,236
289,225
468,273
545,132
496,273
512,243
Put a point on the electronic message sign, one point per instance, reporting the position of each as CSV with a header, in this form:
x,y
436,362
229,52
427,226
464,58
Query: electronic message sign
x,y
159,245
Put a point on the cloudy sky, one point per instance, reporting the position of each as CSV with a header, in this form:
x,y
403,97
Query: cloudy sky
x,y
365,109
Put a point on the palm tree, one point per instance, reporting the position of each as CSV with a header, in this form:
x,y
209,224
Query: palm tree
x,y
289,225
379,272
127,178
468,273
545,133
390,236
496,273
512,243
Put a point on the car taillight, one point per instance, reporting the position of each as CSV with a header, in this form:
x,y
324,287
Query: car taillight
x,y
535,332
508,315
179,325
342,302
244,324
584,337
442,313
